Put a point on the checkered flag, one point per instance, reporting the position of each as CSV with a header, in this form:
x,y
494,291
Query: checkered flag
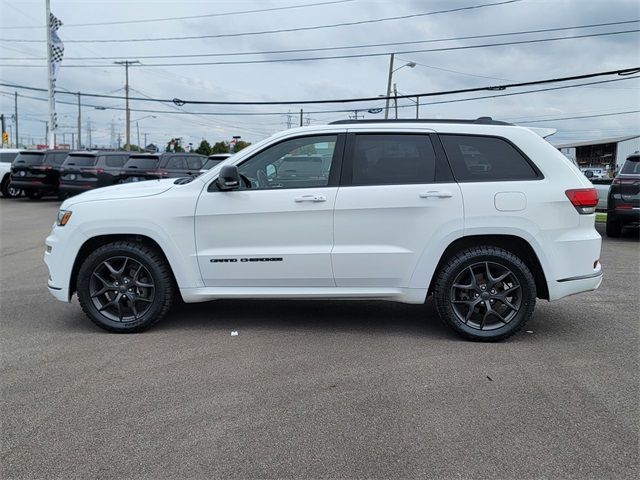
x,y
57,47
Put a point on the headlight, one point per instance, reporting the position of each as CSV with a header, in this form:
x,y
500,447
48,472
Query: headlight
x,y
63,217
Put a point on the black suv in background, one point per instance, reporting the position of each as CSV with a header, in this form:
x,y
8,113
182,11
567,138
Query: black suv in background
x,y
623,202
214,160
82,171
37,172
146,166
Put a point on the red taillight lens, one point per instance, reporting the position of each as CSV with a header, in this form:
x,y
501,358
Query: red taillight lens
x,y
584,199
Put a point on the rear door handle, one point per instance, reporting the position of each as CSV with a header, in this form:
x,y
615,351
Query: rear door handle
x,y
436,194
311,198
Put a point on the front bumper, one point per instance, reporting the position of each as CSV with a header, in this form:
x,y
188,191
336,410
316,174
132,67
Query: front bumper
x,y
61,249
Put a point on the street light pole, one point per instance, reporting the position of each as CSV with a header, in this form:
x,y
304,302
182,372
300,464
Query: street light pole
x,y
386,106
126,63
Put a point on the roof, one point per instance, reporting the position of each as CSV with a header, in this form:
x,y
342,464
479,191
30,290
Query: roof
x,y
599,141
478,121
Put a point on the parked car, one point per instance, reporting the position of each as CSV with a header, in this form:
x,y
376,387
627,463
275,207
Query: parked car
x,y
7,155
623,205
390,210
594,172
149,166
214,160
82,171
37,172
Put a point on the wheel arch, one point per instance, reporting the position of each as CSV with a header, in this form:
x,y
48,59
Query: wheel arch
x,y
512,243
98,241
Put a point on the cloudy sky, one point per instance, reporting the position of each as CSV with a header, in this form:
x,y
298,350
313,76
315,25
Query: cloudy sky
x,y
88,64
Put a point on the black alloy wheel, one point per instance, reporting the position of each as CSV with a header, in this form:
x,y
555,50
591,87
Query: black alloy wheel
x,y
125,286
485,293
122,289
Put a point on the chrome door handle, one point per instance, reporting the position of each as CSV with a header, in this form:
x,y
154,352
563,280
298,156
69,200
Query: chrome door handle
x,y
311,198
436,194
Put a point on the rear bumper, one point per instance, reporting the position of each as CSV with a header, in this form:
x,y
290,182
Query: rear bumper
x,y
70,188
571,286
33,185
626,214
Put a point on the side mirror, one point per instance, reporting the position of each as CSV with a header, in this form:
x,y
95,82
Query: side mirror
x,y
229,178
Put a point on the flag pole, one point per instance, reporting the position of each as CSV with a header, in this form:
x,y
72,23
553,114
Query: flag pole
x,y
52,107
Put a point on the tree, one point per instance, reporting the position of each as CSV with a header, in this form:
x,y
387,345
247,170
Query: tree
x,y
135,148
240,144
204,148
220,147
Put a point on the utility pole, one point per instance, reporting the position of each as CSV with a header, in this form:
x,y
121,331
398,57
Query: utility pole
x,y
15,104
52,106
417,108
89,130
2,133
395,99
127,137
145,140
79,123
138,131
289,119
73,140
301,115
386,107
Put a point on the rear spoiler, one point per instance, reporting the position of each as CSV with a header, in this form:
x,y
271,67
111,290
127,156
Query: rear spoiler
x,y
543,132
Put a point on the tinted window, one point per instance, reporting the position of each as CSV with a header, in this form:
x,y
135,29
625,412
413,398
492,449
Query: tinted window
x,y
115,160
56,158
81,160
211,163
194,163
485,159
392,159
7,157
142,163
296,163
30,158
177,163
631,166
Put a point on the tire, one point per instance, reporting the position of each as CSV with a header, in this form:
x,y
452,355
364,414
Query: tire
x,y
614,226
7,190
33,194
106,296
492,307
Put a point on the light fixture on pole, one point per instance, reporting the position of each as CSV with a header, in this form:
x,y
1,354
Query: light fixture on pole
x,y
391,71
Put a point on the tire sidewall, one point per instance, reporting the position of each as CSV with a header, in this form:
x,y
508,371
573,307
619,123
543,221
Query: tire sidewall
x,y
84,295
519,269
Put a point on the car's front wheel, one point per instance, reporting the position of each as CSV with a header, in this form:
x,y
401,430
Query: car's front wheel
x,y
485,293
125,286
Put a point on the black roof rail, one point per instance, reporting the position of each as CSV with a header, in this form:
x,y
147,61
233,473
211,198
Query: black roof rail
x,y
476,121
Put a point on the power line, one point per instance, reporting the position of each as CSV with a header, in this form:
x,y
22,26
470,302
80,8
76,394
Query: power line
x,y
581,116
328,111
349,47
190,17
284,30
335,57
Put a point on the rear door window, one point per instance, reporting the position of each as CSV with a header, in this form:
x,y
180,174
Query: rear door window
x,y
390,159
486,159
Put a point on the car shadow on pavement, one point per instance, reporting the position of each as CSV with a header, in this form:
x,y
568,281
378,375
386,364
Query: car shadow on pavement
x,y
312,315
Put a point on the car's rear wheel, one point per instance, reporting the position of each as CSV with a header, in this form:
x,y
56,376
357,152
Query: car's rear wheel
x,y
485,293
125,286
614,226
7,190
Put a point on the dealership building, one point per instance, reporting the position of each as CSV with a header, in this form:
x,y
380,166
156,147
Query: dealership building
x,y
607,153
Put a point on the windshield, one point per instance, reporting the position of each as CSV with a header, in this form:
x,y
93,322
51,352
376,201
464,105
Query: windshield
x,y
142,163
81,160
631,166
30,158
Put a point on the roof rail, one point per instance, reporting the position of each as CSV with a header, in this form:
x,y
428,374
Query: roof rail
x,y
477,121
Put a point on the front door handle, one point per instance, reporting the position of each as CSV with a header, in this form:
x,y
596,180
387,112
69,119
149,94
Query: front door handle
x,y
436,194
311,198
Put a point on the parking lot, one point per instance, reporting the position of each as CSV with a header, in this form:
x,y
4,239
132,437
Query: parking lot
x,y
313,389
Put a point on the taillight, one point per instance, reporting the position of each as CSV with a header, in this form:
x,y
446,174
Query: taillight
x,y
584,199
42,167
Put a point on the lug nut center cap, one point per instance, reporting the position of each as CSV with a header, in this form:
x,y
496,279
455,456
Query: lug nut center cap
x,y
485,295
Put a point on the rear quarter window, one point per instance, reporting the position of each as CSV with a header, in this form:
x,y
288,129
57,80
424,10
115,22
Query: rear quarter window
x,y
486,159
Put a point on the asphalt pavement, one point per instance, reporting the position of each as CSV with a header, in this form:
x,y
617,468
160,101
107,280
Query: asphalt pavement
x,y
312,389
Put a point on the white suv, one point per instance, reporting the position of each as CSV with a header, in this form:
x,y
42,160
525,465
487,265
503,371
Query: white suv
x,y
484,215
